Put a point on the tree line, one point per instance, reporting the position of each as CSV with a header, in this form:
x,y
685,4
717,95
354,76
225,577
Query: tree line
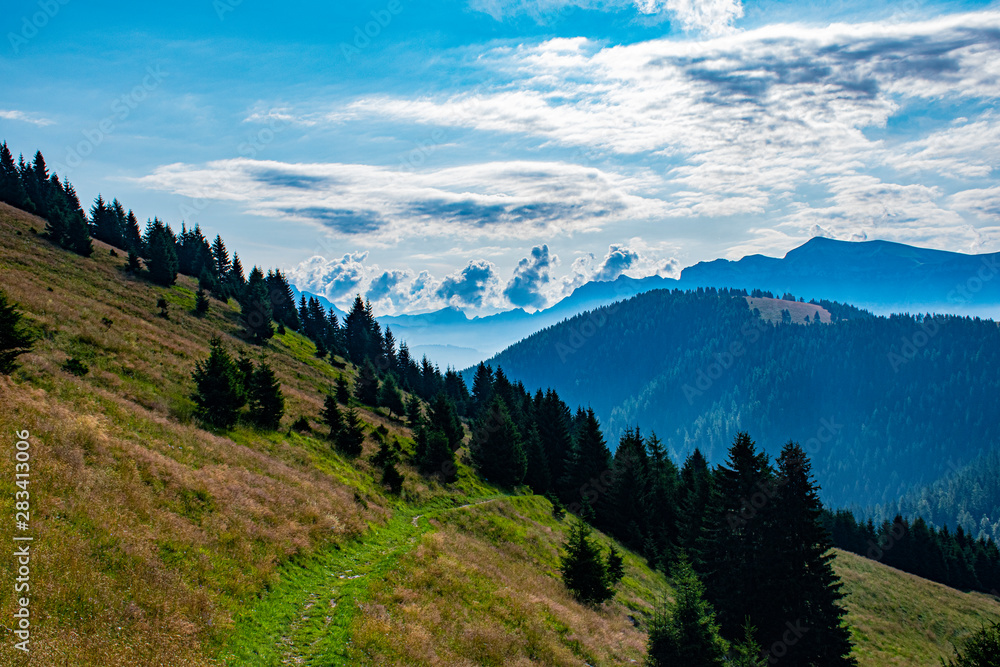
x,y
954,559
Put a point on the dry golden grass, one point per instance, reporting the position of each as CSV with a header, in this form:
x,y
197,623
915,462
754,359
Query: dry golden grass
x,y
150,532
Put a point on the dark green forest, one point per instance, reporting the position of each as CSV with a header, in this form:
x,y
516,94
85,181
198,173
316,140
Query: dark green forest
x,y
883,405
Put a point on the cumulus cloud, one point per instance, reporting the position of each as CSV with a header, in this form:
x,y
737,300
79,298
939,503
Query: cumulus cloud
x,y
531,276
635,259
335,279
498,199
474,286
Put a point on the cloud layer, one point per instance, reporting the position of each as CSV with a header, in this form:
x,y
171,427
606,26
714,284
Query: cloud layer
x,y
499,199
794,122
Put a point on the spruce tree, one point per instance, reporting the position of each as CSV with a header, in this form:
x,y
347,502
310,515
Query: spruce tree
x,y
352,436
366,386
200,303
160,253
496,447
414,413
809,591
255,308
583,570
685,632
218,394
444,418
436,455
390,396
741,579
537,476
14,339
343,392
482,388
282,300
220,257
11,187
332,417
588,459
266,401
235,284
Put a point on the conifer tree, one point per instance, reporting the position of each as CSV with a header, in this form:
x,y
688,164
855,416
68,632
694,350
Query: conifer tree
x,y
685,632
160,253
390,396
352,436
624,505
366,386
413,410
134,266
14,339
697,511
200,303
218,394
741,579
332,417
255,308
282,300
583,570
980,650
588,459
131,233
11,187
537,476
482,388
444,418
437,455
809,591
266,401
496,447
343,392
235,284
220,256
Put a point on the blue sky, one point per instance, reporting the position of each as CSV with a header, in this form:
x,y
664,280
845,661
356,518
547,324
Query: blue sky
x,y
489,154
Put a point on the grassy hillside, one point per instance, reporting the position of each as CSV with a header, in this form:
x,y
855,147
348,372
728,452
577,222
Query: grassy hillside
x,y
899,619
160,543
770,310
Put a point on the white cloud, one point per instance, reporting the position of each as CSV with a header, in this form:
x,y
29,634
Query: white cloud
x,y
498,199
34,119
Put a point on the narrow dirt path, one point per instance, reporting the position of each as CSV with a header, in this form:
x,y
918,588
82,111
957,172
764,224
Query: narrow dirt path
x,y
305,619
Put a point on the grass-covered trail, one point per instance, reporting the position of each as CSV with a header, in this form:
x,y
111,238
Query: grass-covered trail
x,y
306,618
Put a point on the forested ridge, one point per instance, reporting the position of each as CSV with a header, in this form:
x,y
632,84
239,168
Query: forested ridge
x,y
882,404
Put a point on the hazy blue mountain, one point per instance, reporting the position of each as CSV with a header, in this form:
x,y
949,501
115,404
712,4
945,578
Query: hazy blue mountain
x,y
880,276
884,405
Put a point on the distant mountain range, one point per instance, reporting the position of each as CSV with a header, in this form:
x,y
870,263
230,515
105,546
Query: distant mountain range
x,y
880,276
